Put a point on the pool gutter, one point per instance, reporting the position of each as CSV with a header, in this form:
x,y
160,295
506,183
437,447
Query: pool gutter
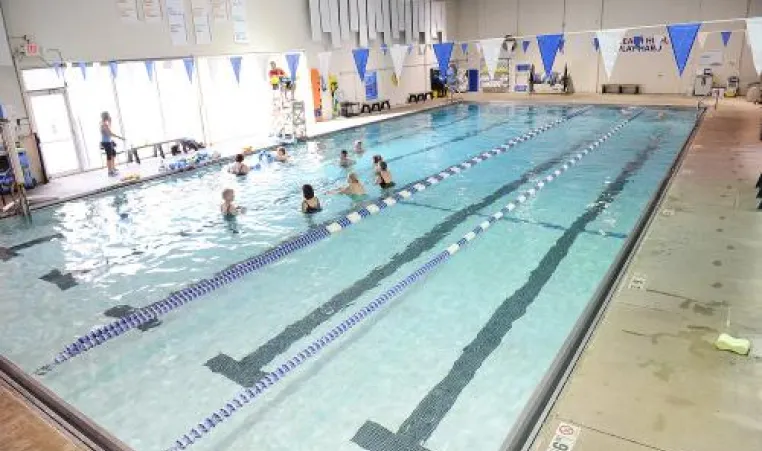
x,y
532,418
69,421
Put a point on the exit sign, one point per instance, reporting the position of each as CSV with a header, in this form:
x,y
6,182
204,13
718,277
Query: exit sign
x,y
32,49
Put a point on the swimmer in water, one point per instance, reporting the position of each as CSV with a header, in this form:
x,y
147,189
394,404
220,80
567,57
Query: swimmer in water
x,y
310,203
359,149
377,159
354,187
384,177
661,115
228,208
344,160
281,155
239,167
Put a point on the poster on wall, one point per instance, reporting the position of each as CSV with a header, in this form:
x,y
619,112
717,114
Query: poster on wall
x,y
176,20
200,14
240,29
220,10
151,11
371,86
707,59
127,10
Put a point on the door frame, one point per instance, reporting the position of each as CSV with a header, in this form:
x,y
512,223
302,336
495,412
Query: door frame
x,y
78,149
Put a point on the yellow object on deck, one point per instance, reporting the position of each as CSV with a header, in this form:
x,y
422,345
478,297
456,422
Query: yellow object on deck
x,y
738,345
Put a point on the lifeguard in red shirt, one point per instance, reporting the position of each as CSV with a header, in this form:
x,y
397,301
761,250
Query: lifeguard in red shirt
x,y
276,75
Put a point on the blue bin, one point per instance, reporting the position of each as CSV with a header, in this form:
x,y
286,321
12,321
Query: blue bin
x,y
473,80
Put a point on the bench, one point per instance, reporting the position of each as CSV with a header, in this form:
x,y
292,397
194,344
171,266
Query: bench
x,y
620,89
158,149
379,105
420,96
349,109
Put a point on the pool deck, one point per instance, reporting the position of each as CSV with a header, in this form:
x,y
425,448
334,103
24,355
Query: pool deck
x,y
649,378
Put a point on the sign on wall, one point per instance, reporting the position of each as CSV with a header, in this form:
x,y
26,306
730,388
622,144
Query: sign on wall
x,y
643,44
371,86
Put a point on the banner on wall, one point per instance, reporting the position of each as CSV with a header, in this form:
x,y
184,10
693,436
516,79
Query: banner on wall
x,y
398,53
682,37
240,27
443,52
609,42
754,33
525,45
491,53
114,67
596,44
176,19
235,63
200,14
361,61
643,44
549,45
292,59
220,10
726,37
189,63
371,86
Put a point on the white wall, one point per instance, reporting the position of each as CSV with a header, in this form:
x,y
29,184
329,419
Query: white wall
x,y
656,72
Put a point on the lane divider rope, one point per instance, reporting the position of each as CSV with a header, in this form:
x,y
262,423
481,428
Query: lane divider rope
x,y
248,395
102,334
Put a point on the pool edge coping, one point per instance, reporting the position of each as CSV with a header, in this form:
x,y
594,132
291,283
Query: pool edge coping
x,y
536,412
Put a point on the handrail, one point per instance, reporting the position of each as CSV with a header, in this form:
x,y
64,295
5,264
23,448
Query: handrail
x,y
713,93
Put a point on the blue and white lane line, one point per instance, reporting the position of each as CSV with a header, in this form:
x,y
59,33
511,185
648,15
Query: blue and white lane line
x,y
176,300
248,395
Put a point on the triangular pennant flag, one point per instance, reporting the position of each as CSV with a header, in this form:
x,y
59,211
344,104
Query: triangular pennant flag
x,y
114,66
384,48
83,68
702,38
491,52
398,53
754,33
682,36
292,59
726,37
609,41
561,45
443,52
410,49
324,64
361,61
189,62
149,69
58,68
168,64
525,45
596,44
638,41
549,44
235,63
464,48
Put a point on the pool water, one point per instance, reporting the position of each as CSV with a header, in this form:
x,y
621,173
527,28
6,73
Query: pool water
x,y
447,365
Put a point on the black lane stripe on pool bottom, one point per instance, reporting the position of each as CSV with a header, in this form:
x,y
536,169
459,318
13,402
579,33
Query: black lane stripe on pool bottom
x,y
249,369
424,420
7,253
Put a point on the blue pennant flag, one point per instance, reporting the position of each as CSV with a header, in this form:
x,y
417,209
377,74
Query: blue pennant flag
x,y
409,49
525,45
149,69
113,65
292,59
189,68
443,51
361,61
682,36
235,63
83,68
726,37
549,44
638,41
561,45
596,43
464,47
58,67
384,48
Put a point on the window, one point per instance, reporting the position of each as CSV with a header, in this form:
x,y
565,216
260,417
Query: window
x,y
179,99
37,79
139,103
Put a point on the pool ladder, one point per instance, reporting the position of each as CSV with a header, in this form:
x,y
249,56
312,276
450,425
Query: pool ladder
x,y
713,93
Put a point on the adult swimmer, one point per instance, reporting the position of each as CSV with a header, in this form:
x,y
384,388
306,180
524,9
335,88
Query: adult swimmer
x,y
354,188
239,167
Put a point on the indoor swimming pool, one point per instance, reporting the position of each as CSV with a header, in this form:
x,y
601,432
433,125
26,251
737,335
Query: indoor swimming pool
x,y
420,318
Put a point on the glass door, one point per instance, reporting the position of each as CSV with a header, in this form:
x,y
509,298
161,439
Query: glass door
x,y
50,111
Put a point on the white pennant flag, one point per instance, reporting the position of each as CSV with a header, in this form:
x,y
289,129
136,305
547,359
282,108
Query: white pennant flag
x,y
398,53
324,64
754,34
491,53
609,41
701,38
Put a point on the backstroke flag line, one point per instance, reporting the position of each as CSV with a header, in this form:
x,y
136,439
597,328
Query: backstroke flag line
x,y
549,45
398,53
443,52
491,52
609,41
682,36
754,33
361,61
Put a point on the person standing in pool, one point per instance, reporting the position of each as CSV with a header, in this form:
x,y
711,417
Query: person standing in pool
x,y
239,167
107,143
353,189
310,203
384,176
344,160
